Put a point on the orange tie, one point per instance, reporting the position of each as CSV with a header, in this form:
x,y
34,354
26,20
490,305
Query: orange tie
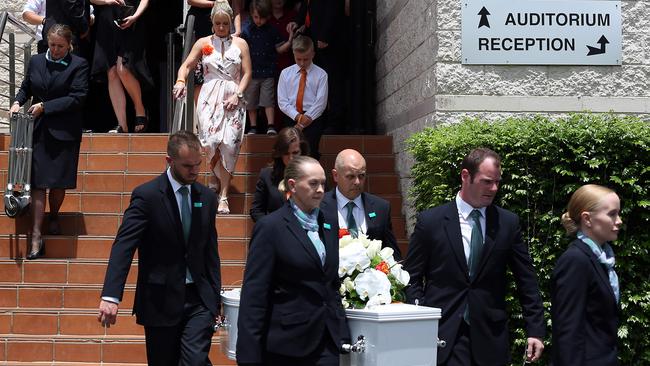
x,y
307,17
301,90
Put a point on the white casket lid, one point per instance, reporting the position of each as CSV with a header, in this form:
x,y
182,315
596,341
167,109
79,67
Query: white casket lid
x,y
394,312
231,297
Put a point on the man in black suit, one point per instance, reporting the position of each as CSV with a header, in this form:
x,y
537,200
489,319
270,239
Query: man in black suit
x,y
356,210
171,222
457,259
290,311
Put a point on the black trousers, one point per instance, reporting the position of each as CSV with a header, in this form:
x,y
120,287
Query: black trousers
x,y
326,354
461,354
186,344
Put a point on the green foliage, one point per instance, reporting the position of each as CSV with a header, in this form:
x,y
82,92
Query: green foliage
x,y
543,162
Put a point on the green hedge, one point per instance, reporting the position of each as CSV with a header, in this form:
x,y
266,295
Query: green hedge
x,y
544,161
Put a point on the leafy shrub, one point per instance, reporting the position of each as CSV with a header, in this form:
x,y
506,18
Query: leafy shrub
x,y
544,161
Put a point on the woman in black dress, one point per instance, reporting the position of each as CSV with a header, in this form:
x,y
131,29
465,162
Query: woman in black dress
x,y
119,56
288,144
57,82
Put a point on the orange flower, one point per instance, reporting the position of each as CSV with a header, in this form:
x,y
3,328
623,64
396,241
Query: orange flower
x,y
207,49
343,232
383,267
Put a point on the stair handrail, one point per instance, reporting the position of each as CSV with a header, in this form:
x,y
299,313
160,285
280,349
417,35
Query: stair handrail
x,y
26,47
182,115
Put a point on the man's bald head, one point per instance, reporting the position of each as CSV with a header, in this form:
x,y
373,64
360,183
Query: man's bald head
x,y
349,173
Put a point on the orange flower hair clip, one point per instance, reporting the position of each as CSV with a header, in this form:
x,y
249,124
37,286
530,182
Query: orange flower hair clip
x,y
207,50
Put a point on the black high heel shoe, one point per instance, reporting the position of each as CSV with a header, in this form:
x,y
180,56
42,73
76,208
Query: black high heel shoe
x,y
37,254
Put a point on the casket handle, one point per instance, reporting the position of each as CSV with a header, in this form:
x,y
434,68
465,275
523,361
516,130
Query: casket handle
x,y
222,322
359,346
442,343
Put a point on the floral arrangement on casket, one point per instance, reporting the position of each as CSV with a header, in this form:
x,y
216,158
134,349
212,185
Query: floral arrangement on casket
x,y
370,275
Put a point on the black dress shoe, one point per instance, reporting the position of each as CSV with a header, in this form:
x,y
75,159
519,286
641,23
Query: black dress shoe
x,y
39,253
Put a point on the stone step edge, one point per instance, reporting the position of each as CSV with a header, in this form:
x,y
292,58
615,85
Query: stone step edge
x,y
95,338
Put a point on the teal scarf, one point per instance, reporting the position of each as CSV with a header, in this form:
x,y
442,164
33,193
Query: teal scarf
x,y
309,222
605,256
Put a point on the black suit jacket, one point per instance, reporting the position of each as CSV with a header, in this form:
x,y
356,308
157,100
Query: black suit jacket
x,y
267,197
152,225
584,310
380,226
289,300
439,278
62,89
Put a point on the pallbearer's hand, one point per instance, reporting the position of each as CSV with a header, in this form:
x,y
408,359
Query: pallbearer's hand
x,y
534,350
107,313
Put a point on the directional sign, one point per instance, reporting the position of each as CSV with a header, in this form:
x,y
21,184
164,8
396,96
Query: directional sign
x,y
540,32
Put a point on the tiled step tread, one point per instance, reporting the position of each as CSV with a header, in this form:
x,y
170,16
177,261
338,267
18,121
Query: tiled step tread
x,y
74,350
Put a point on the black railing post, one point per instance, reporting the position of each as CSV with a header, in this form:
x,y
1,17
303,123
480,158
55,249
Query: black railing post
x,y
12,67
169,80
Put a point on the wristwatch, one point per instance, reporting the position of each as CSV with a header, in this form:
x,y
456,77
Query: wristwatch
x,y
240,95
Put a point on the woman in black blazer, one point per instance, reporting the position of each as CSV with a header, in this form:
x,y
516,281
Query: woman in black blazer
x,y
584,287
57,82
290,311
288,144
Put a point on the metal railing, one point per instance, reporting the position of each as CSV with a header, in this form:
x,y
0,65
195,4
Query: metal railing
x,y
16,41
180,113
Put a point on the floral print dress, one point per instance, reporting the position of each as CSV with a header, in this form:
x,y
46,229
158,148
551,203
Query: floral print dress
x,y
220,129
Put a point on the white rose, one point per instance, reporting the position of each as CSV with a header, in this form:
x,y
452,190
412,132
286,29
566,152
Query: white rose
x,y
344,241
386,253
342,290
348,283
345,303
374,246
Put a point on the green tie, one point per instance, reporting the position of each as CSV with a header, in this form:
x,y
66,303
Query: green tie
x,y
475,243
475,247
352,224
186,214
186,221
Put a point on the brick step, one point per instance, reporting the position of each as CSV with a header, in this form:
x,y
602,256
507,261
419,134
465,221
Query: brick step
x,y
58,296
330,144
84,350
240,203
89,247
106,224
49,322
132,164
74,271
123,182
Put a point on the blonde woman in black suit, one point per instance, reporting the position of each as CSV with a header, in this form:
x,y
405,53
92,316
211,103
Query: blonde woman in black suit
x,y
57,82
585,288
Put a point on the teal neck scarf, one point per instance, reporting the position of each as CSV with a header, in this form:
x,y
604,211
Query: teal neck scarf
x,y
309,222
605,256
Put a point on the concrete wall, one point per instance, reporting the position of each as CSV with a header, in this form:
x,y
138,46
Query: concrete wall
x,y
421,82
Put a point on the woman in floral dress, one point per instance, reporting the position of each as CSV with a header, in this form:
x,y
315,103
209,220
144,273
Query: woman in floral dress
x,y
220,108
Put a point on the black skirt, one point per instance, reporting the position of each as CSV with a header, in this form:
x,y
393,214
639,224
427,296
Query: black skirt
x,y
54,162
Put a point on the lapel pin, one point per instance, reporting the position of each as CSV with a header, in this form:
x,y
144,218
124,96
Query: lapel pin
x,y
372,214
198,204
327,226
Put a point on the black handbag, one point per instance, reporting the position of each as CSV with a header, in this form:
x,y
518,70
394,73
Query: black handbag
x,y
122,11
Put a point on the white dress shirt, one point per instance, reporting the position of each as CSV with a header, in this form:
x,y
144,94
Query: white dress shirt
x,y
466,223
315,98
38,7
358,212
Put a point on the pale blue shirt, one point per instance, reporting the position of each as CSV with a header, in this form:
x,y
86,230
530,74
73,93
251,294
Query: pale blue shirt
x,y
466,223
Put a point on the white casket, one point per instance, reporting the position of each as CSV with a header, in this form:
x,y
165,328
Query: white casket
x,y
395,334
230,300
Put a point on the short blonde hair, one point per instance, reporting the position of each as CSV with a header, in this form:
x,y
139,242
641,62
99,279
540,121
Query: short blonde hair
x,y
221,7
584,199
302,44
